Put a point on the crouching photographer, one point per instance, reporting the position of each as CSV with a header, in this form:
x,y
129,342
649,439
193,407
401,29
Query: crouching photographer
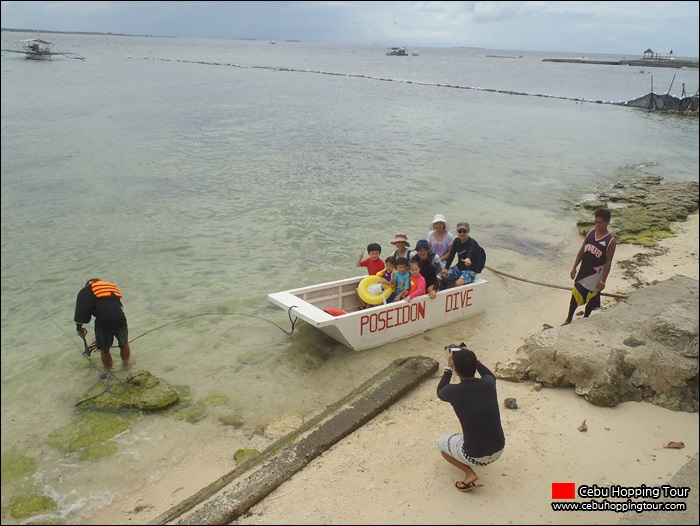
x,y
475,402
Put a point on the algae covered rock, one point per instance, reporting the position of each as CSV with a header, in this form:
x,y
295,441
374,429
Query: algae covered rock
x,y
30,505
15,465
643,209
141,391
195,412
216,399
90,434
243,454
192,413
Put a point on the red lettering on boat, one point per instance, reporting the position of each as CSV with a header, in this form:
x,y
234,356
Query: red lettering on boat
x,y
387,319
458,300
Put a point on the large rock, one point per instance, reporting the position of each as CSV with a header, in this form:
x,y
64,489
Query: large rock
x,y
643,348
141,391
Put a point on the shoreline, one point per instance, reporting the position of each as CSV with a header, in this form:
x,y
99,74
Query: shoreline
x,y
648,63
395,458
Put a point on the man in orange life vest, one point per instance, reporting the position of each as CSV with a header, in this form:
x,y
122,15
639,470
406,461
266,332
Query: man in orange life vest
x,y
102,300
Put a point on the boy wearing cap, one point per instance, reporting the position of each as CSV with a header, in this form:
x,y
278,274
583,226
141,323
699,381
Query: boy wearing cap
x,y
430,267
464,248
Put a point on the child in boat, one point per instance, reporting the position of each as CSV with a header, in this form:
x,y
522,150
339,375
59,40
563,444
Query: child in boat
x,y
401,280
373,263
417,281
386,276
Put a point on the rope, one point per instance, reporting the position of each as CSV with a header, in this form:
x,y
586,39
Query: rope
x,y
616,296
289,313
108,376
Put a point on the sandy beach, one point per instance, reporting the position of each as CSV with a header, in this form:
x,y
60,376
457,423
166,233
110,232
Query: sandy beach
x,y
391,472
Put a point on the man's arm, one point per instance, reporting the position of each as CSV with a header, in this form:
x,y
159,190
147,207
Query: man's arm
x,y
483,370
608,263
578,259
83,310
451,254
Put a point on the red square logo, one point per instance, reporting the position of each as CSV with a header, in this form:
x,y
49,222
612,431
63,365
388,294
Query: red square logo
x,y
563,490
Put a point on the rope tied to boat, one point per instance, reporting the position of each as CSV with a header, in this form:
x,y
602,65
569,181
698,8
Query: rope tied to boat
x,y
616,296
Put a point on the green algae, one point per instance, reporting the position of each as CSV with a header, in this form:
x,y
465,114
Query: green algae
x,y
643,209
89,435
193,413
243,454
29,505
15,465
142,391
216,399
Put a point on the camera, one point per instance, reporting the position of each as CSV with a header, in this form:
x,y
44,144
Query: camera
x,y
449,349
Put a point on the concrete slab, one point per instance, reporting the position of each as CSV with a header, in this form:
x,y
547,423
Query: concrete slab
x,y
236,492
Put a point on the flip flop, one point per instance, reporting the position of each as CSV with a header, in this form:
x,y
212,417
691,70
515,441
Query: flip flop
x,y
466,487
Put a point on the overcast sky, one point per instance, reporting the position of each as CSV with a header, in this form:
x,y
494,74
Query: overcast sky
x,y
626,28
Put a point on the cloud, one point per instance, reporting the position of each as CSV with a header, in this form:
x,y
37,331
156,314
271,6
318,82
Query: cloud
x,y
589,27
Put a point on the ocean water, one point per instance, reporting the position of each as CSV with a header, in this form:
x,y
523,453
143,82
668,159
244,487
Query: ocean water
x,y
200,175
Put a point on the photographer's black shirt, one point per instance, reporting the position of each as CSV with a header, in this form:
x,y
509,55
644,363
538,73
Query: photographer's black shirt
x,y
475,403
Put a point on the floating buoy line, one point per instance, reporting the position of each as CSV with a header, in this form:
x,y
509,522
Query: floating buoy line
x,y
384,79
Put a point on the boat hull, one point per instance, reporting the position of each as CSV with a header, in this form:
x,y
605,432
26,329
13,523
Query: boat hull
x,y
38,56
381,324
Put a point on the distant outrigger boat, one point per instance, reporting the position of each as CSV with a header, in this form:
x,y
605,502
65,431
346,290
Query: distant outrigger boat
x,y
39,49
397,51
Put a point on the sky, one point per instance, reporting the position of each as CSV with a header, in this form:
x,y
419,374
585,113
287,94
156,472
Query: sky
x,y
625,28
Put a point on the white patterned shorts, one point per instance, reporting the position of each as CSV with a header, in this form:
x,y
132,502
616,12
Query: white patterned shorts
x,y
452,445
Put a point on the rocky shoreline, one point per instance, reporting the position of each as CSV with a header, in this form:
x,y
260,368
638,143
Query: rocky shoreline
x,y
643,208
647,348
644,349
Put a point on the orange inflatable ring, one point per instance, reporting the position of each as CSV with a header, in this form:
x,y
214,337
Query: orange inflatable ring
x,y
334,312
367,296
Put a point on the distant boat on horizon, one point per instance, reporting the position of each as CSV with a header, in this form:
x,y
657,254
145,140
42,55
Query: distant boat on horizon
x,y
397,52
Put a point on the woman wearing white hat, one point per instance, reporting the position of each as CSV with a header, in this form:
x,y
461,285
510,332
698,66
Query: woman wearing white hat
x,y
440,238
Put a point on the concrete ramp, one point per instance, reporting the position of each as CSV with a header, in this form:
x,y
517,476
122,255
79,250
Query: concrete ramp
x,y
232,495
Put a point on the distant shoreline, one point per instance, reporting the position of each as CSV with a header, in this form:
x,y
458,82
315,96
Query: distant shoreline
x,y
45,31
649,63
